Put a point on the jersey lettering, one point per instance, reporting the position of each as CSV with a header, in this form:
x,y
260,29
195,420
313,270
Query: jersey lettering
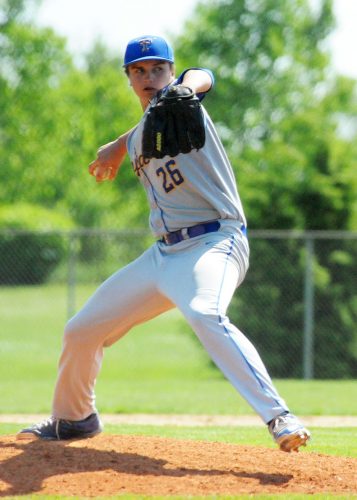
x,y
171,177
139,163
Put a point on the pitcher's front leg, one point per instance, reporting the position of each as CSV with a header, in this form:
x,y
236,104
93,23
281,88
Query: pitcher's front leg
x,y
126,299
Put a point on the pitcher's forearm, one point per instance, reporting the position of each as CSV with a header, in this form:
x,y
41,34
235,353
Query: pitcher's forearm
x,y
198,80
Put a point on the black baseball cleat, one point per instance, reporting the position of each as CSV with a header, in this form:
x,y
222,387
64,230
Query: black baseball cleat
x,y
53,429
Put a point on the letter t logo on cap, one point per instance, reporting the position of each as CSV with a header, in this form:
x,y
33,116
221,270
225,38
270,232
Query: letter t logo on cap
x,y
145,44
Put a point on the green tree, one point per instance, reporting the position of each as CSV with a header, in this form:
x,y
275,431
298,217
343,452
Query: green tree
x,y
281,112
32,61
54,117
279,108
100,106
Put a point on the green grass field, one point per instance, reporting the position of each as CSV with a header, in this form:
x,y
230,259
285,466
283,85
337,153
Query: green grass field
x,y
158,367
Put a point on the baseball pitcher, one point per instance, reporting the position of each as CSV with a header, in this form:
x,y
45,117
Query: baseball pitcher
x,y
200,256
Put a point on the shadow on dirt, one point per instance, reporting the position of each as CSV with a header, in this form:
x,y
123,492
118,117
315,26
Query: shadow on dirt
x,y
30,463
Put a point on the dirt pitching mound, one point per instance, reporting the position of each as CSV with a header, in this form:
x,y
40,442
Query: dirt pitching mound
x,y
112,465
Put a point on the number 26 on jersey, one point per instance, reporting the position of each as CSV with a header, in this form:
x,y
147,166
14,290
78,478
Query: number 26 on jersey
x,y
170,176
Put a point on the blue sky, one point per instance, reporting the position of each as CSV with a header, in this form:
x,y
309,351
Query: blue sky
x,y
116,21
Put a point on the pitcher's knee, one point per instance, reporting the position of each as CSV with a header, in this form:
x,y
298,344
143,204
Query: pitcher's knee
x,y
83,331
75,333
200,319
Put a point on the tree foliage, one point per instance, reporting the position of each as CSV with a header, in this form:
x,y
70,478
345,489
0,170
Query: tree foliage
x,y
54,117
277,104
279,108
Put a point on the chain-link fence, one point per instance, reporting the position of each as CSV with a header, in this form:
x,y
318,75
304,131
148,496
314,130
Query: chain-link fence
x,y
298,303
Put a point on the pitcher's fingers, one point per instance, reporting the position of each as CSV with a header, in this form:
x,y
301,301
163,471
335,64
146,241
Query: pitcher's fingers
x,y
103,173
93,167
112,173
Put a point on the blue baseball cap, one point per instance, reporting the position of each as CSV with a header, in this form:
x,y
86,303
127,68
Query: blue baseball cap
x,y
148,47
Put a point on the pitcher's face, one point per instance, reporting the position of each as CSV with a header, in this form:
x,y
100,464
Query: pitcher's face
x,y
148,77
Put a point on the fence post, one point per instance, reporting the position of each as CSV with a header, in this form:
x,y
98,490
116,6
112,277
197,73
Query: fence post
x,y
308,348
71,278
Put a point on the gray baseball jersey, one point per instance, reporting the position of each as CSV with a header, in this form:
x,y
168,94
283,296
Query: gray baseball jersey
x,y
189,189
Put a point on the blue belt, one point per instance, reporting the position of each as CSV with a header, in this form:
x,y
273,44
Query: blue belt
x,y
190,232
